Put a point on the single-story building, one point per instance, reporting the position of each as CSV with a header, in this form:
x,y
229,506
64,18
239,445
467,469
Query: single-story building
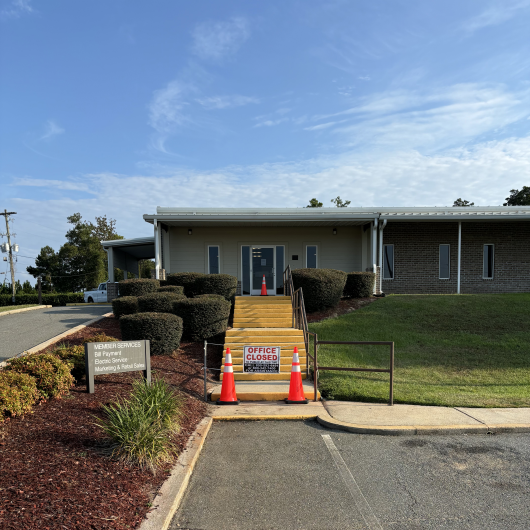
x,y
412,250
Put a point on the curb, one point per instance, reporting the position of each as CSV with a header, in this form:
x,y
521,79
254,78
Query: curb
x,y
170,494
47,343
272,417
13,311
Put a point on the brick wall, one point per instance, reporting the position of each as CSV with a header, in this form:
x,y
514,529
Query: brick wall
x,y
416,257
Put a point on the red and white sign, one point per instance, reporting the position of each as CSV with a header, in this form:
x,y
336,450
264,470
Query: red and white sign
x,y
261,359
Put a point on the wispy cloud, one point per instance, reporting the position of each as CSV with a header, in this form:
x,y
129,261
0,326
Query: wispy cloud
x,y
323,125
270,123
167,108
16,9
217,40
496,14
69,185
225,102
52,129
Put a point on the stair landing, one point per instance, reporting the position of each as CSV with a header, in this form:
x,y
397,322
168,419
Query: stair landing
x,y
265,391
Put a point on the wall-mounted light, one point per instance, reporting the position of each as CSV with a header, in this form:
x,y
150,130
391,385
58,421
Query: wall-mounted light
x,y
189,231
334,231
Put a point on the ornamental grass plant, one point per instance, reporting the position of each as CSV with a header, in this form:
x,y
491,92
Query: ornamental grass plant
x,y
141,427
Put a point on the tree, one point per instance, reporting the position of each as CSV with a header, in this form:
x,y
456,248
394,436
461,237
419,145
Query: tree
x,y
339,203
145,267
81,263
518,197
461,202
314,203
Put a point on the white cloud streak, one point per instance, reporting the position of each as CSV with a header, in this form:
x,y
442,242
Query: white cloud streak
x,y
217,40
52,129
225,102
16,9
496,14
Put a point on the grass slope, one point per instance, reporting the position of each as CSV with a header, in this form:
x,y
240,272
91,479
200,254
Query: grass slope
x,y
13,307
461,350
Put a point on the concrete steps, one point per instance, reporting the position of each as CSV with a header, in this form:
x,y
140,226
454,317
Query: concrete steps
x,y
264,391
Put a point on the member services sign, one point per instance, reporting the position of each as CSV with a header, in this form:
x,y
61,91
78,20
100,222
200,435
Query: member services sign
x,y
261,359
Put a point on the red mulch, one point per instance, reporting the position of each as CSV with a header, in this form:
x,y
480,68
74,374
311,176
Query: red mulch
x,y
55,473
346,305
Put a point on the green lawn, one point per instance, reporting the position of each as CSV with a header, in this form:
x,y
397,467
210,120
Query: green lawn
x,y
12,307
461,350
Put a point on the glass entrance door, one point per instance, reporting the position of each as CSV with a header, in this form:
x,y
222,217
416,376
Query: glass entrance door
x,y
263,264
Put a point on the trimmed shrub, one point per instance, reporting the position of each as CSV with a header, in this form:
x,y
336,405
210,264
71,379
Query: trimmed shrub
x,y
137,287
186,280
101,337
214,296
203,317
73,356
322,288
125,305
163,330
18,393
359,285
222,284
52,375
158,302
177,289
55,299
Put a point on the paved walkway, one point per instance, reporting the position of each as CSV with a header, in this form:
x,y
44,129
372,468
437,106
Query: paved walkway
x,y
22,331
369,418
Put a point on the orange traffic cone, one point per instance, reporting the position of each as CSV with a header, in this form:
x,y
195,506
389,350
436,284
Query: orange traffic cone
x,y
296,387
263,287
228,388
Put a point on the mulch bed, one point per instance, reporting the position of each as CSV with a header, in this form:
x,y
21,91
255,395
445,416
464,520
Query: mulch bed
x,y
346,305
55,469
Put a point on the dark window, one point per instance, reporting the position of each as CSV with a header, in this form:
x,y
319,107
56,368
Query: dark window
x,y
245,254
388,262
444,262
280,266
311,257
213,260
488,261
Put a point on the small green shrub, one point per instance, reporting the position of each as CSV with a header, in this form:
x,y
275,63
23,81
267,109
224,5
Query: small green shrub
x,y
138,287
222,284
214,296
100,337
18,393
125,305
186,280
359,285
52,375
74,356
141,427
203,317
176,289
158,302
163,330
322,288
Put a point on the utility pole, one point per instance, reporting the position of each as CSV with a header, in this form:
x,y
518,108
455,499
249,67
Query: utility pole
x,y
6,214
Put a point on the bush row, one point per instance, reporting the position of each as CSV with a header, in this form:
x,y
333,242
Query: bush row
x,y
195,283
359,285
54,299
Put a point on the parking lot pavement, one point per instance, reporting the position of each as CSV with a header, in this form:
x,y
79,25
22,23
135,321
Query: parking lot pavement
x,y
22,331
299,475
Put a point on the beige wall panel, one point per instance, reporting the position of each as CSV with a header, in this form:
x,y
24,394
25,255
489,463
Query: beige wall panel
x,y
189,253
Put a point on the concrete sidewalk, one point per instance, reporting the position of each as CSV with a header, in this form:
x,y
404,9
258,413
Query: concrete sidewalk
x,y
370,418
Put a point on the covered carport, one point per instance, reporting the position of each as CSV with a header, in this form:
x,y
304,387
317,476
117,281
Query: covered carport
x,y
125,254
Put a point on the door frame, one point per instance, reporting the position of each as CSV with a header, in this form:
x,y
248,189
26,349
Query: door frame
x,y
257,292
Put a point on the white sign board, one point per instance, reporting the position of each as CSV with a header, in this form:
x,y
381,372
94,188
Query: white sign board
x,y
261,359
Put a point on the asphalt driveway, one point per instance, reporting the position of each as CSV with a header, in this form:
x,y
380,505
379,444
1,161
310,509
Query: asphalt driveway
x,y
21,331
298,475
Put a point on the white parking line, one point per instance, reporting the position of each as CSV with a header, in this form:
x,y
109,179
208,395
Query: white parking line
x,y
360,500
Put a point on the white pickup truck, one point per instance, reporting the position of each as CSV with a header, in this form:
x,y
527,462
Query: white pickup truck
x,y
98,295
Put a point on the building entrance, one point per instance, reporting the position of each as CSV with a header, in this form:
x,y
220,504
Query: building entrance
x,y
258,261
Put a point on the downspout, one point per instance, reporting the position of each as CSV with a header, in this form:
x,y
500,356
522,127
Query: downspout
x,y
381,228
157,250
459,256
374,250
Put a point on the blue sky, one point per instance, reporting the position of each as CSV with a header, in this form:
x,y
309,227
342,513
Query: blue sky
x,y
116,107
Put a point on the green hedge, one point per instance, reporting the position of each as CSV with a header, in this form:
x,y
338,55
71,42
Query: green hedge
x,y
214,296
186,280
222,284
177,289
158,302
18,393
54,299
52,375
138,287
359,285
322,288
125,305
203,317
163,330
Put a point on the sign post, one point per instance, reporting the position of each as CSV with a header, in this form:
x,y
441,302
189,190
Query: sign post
x,y
116,357
261,359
